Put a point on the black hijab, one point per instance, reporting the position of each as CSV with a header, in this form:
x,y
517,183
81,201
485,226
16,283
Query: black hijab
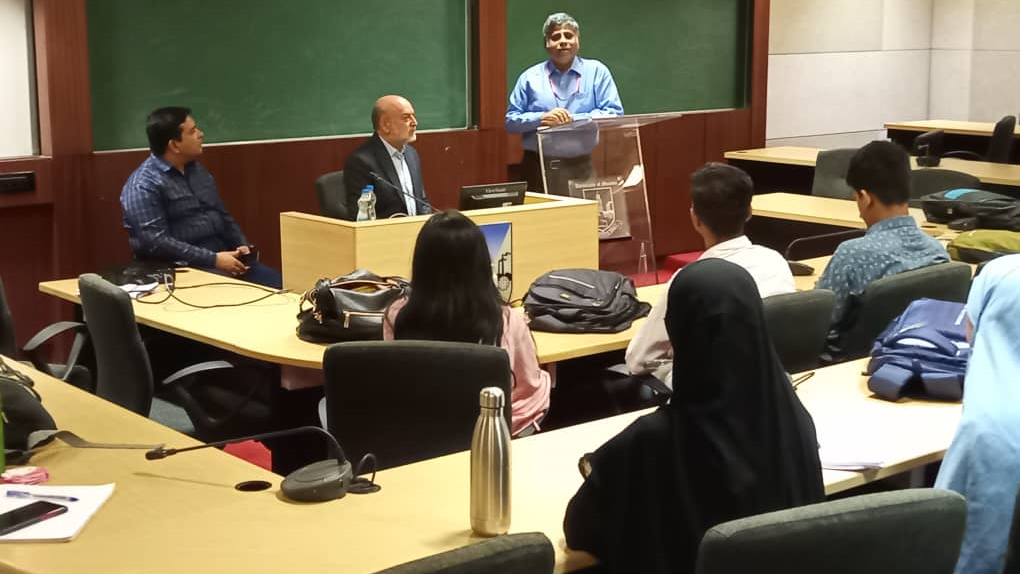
x,y
734,440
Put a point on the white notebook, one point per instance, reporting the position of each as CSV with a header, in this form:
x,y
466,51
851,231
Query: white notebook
x,y
59,528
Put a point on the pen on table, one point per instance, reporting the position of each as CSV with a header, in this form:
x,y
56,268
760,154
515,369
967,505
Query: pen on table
x,y
802,378
23,494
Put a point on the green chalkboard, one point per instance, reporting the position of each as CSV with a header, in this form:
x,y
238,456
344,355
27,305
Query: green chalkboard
x,y
665,55
266,69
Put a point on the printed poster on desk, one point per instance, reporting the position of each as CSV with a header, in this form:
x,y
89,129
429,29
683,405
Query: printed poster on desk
x,y
498,238
609,193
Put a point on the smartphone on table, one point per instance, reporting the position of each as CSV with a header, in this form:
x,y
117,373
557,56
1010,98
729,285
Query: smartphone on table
x,y
28,515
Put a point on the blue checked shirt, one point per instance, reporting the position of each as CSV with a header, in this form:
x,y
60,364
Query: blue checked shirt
x,y
889,247
586,90
174,216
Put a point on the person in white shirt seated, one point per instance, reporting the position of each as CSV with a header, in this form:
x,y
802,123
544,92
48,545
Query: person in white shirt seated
x,y
720,206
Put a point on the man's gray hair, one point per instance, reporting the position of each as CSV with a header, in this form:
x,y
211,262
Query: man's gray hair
x,y
560,19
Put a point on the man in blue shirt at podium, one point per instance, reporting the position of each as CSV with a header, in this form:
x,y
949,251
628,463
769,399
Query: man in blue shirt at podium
x,y
564,88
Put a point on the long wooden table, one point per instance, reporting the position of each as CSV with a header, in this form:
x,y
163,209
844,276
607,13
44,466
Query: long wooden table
x,y
995,173
266,330
957,127
958,135
182,514
824,210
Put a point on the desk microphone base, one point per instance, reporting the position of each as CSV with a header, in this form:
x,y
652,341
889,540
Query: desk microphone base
x,y
318,482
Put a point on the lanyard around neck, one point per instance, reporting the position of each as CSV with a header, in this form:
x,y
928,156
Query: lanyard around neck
x,y
577,89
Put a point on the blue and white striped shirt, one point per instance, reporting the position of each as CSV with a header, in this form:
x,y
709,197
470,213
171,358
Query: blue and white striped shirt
x,y
174,216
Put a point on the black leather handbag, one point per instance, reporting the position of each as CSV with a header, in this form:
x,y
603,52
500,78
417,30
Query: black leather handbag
x,y
348,308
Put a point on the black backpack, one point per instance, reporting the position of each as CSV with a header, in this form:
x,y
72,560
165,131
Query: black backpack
x,y
972,209
583,301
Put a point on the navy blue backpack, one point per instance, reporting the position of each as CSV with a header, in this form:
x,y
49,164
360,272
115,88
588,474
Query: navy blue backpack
x,y
924,351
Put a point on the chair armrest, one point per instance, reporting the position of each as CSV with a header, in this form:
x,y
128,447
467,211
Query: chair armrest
x,y
195,370
31,348
964,154
180,380
844,235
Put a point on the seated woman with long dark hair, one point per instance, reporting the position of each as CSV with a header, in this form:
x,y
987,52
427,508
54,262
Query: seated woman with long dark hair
x,y
733,441
453,298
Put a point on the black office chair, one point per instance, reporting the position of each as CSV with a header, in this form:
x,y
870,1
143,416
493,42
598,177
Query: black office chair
x,y
915,531
124,375
1000,146
830,173
887,297
407,401
524,553
332,195
798,325
829,181
818,245
934,180
69,371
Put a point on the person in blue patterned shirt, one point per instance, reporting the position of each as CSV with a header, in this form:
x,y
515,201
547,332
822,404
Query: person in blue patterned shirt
x,y
172,211
879,173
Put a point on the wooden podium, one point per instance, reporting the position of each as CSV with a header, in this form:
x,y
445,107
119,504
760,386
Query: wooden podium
x,y
547,232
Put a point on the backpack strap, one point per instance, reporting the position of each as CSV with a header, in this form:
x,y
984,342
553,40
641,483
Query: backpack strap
x,y
942,343
889,380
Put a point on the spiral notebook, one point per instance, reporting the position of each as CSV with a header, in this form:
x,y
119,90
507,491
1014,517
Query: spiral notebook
x,y
60,528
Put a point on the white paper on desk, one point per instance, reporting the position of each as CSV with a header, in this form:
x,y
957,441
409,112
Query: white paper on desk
x,y
849,446
135,290
59,528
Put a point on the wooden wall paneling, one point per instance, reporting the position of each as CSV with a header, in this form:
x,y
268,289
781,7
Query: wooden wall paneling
x,y
42,167
759,72
672,150
490,63
726,131
26,259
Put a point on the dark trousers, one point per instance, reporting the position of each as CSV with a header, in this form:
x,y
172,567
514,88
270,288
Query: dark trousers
x,y
558,174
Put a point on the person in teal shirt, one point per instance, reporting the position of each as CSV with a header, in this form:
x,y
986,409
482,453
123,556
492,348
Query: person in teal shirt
x,y
879,173
562,89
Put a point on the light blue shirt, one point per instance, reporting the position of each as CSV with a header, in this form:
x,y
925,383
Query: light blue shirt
x,y
586,90
889,247
983,461
404,173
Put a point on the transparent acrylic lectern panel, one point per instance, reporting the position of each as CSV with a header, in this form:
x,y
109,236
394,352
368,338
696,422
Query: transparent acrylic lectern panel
x,y
601,160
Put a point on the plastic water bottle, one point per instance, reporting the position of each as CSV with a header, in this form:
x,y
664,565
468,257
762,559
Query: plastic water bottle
x,y
366,204
490,466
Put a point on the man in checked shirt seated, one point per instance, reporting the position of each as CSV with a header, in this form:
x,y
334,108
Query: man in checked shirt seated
x,y
172,211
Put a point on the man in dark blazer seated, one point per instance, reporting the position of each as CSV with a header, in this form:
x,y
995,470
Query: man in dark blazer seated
x,y
388,162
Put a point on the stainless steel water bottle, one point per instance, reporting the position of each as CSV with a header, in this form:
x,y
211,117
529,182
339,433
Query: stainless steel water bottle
x,y
490,466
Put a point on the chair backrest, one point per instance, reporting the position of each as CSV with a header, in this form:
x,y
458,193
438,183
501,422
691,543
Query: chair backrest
x,y
332,198
915,531
830,173
798,325
523,553
7,345
886,298
409,400
124,375
934,180
1000,146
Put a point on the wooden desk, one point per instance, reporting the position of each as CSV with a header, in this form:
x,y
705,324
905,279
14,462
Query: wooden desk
x,y
956,127
824,210
993,173
182,514
266,330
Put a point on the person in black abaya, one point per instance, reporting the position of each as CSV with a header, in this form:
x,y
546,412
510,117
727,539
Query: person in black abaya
x,y
734,440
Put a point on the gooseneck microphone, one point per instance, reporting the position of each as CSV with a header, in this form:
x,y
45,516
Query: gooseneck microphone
x,y
378,179
316,482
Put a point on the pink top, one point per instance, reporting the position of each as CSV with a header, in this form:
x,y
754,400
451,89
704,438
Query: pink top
x,y
529,398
